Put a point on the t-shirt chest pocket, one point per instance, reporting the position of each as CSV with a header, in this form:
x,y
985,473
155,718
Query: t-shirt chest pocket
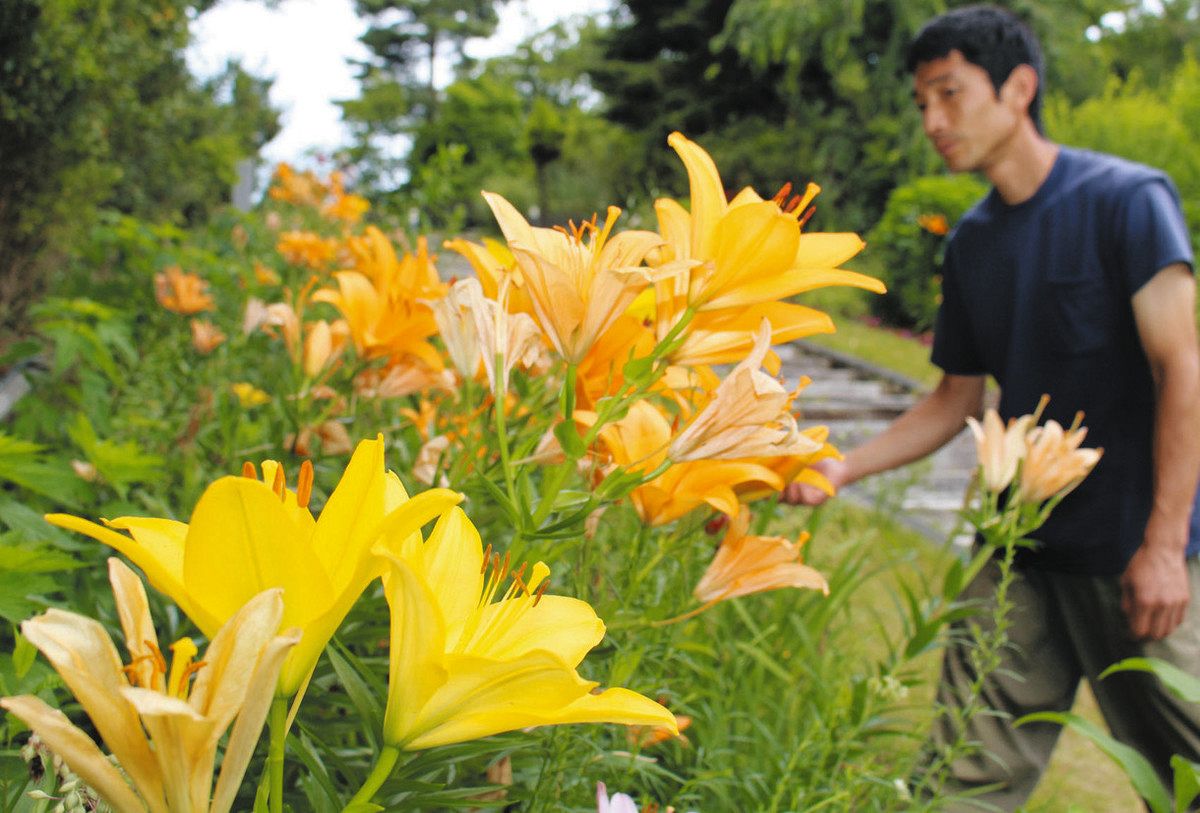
x,y
1079,315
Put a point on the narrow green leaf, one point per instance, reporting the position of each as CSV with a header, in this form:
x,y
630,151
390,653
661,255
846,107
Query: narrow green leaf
x,y
1183,685
1187,782
1145,781
350,674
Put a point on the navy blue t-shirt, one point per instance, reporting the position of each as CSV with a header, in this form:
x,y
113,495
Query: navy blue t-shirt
x,y
1037,295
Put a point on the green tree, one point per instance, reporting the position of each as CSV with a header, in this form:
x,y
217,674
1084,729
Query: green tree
x,y
97,109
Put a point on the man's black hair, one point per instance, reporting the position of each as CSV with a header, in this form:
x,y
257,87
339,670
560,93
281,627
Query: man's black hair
x,y
993,38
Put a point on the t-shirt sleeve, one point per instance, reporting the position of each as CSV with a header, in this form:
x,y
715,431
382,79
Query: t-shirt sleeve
x,y
1153,233
953,344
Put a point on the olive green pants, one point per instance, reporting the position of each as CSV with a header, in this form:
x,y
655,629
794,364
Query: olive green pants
x,y
1064,628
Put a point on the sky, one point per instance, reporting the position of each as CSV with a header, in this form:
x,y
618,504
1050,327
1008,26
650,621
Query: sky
x,y
304,45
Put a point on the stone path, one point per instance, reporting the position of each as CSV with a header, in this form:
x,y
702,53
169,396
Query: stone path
x,y
856,401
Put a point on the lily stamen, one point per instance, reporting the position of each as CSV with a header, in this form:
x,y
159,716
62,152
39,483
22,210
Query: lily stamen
x,y
279,486
782,195
541,591
160,663
304,484
487,560
248,471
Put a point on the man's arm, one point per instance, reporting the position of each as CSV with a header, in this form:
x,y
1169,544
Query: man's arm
x,y
1155,584
927,426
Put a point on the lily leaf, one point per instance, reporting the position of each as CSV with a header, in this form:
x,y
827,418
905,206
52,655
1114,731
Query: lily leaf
x,y
1183,685
1187,782
1145,781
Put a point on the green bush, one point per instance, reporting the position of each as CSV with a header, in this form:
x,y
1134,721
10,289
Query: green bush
x,y
904,248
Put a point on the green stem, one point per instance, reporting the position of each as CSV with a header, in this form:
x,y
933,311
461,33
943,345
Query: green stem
x,y
379,774
502,436
568,393
278,724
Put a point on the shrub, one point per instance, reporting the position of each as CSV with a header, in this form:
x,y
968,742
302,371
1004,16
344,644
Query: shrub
x,y
905,246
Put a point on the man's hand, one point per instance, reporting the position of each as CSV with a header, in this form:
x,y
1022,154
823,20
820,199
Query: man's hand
x,y
835,472
1154,589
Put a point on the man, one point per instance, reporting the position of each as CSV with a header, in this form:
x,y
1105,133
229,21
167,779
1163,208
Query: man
x,y
1072,277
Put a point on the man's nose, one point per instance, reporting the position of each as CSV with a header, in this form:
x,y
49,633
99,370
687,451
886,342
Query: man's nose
x,y
933,119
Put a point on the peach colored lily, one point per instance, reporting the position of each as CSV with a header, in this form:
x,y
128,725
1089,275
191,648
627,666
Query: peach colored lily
x,y
579,282
1000,449
1054,462
163,732
748,416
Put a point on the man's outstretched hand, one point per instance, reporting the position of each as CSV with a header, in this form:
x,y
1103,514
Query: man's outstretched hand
x,y
835,472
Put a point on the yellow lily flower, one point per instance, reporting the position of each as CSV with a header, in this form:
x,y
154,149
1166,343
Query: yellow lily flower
x,y
748,250
726,336
246,536
1000,449
748,416
754,564
639,442
578,288
465,665
163,732
1054,463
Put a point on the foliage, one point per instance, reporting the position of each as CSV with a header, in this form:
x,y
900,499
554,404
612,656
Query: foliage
x,y
97,109
1147,123
907,244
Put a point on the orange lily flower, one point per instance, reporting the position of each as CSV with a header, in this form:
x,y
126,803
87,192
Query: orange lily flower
x,y
639,442
748,250
307,249
181,292
492,263
754,564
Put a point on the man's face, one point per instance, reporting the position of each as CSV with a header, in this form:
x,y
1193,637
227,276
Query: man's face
x,y
962,116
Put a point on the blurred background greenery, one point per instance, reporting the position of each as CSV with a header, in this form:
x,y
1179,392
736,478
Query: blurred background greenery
x,y
100,116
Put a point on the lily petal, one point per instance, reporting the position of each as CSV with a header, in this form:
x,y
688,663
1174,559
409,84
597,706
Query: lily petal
x,y
77,749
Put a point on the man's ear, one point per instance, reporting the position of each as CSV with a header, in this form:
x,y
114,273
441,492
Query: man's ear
x,y
1020,87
